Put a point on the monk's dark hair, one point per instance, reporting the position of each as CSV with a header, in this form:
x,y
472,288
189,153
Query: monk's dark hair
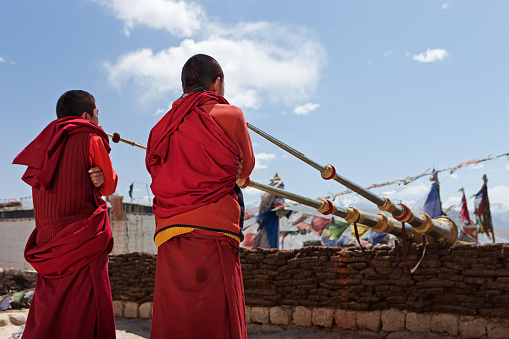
x,y
74,103
200,71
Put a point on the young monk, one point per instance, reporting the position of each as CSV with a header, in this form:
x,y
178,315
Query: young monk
x,y
69,169
195,155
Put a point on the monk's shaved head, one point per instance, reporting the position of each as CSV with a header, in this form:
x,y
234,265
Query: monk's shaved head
x,y
200,71
75,103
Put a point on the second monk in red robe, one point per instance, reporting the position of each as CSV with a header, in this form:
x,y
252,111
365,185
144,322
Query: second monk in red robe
x,y
195,155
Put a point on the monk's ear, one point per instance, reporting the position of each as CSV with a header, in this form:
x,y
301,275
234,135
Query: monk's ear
x,y
85,115
216,85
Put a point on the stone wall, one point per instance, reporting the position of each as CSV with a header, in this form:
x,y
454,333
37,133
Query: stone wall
x,y
460,291
464,279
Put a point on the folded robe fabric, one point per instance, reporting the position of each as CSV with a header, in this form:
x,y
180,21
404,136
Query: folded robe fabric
x,y
188,152
72,294
43,153
199,289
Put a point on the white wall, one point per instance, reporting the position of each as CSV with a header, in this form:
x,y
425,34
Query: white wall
x,y
13,237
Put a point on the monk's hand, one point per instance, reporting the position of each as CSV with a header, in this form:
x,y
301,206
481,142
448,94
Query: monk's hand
x,y
96,176
239,171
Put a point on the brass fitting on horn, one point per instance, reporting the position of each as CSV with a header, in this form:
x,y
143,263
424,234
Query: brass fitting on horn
x,y
384,224
354,215
329,173
427,225
327,207
388,206
406,216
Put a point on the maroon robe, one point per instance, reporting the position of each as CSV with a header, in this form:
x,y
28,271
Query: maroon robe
x,y
72,296
199,291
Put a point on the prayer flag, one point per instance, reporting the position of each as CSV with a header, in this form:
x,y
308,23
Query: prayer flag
x,y
337,228
361,228
318,224
468,228
375,237
482,211
131,191
430,203
465,216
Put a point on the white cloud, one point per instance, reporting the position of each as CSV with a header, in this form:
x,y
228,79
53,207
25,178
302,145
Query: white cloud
x,y
177,17
454,176
2,60
390,52
250,191
446,5
305,109
431,55
452,201
262,158
160,111
507,167
499,195
261,60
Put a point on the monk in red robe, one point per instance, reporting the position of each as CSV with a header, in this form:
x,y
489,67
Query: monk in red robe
x,y
195,154
69,169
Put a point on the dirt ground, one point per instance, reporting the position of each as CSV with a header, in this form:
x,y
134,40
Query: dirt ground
x,y
140,328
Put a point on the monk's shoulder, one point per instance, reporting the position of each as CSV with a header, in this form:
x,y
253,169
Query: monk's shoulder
x,y
225,109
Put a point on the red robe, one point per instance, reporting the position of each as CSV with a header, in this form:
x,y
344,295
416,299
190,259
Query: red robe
x,y
199,292
199,288
72,295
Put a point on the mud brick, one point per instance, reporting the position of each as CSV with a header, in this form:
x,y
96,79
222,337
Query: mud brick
x,y
327,286
486,267
284,283
428,263
359,265
356,289
326,275
285,276
306,287
503,279
354,306
284,289
430,291
494,312
476,280
450,277
496,286
396,300
486,273
420,278
367,282
254,256
456,266
288,302
288,270
315,297
450,309
307,281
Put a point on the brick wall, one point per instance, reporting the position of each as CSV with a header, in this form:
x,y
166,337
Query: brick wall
x,y
464,279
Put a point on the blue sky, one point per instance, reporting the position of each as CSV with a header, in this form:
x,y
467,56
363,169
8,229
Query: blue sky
x,y
383,90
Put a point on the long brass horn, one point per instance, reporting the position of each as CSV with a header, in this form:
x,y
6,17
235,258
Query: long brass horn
x,y
445,232
420,222
441,230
